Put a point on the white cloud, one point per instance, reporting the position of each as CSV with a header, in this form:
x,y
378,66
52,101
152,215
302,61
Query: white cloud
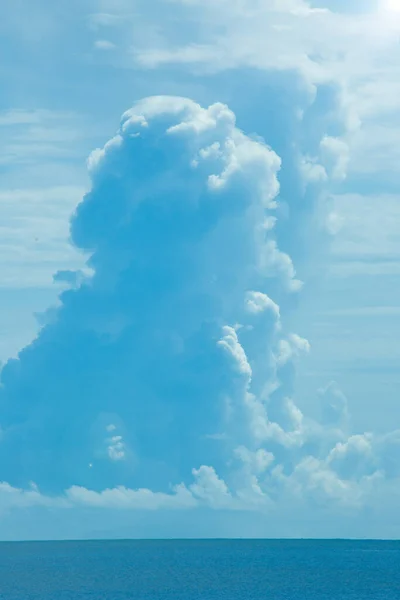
x,y
124,498
311,480
257,461
11,498
335,157
291,347
210,489
277,36
274,262
353,457
230,343
104,45
116,448
257,302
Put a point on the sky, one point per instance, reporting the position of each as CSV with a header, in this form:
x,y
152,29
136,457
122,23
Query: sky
x,y
199,269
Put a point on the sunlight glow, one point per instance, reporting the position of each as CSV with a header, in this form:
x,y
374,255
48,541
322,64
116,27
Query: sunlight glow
x,y
392,5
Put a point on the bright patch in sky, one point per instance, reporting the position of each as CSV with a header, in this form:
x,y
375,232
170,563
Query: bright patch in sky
x,y
392,5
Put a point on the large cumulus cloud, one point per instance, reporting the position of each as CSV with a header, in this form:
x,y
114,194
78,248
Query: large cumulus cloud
x,y
170,365
179,228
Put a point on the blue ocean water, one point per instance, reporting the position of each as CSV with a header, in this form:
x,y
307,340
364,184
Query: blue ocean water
x,y
200,570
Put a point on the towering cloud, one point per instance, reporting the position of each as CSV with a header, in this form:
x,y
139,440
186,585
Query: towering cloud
x,y
171,363
179,228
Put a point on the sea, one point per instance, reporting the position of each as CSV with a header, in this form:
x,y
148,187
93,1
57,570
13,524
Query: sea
x,y
200,570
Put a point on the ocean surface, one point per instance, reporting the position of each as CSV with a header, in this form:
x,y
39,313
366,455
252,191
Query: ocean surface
x,y
200,570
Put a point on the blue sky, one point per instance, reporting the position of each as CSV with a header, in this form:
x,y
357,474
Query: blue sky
x,y
199,269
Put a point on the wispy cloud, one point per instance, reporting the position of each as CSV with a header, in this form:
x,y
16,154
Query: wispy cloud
x,y
104,45
36,136
34,235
